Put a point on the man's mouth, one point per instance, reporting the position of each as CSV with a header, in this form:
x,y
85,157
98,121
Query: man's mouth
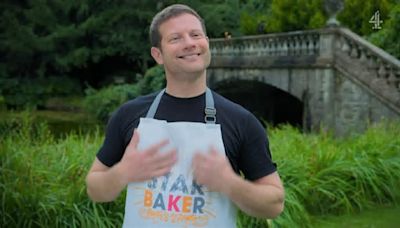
x,y
189,55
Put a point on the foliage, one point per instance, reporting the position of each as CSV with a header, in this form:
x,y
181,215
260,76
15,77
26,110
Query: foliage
x,y
43,178
2,103
221,17
332,176
254,16
25,92
288,15
244,221
357,14
91,41
152,81
88,39
48,43
388,38
101,103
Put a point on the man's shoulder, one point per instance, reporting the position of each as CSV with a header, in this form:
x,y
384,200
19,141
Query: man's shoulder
x,y
144,100
136,107
127,116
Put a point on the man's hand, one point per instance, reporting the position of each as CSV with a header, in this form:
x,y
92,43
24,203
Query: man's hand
x,y
137,166
211,170
262,198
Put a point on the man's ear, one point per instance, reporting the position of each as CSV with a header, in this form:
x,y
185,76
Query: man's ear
x,y
156,53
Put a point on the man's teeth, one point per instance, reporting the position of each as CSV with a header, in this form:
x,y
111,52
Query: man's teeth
x,y
189,55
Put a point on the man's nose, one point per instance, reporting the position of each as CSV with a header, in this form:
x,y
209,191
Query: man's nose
x,y
189,42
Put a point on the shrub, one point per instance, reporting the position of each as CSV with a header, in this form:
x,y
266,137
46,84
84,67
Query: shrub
x,y
101,103
152,81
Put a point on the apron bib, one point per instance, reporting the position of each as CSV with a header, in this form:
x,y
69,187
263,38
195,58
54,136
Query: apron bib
x,y
175,200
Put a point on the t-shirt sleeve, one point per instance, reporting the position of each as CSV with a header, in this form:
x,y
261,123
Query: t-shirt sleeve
x,y
113,146
255,159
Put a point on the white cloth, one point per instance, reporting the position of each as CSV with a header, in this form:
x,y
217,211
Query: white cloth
x,y
174,200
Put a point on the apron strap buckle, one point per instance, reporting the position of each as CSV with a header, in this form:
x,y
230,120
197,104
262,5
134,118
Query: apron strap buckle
x,y
210,116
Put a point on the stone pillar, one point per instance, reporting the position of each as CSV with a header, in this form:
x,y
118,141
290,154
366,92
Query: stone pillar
x,y
327,41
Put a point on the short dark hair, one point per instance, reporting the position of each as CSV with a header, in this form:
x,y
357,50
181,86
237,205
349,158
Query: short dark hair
x,y
166,14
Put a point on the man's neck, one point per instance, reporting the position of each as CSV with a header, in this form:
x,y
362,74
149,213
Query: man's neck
x,y
186,89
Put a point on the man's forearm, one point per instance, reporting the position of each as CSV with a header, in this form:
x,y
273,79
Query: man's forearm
x,y
104,186
259,200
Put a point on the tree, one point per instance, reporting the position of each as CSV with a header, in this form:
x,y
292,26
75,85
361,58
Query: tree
x,y
290,15
254,16
220,16
388,38
88,40
55,37
357,14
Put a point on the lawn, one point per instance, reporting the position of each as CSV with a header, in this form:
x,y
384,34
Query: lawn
x,y
381,217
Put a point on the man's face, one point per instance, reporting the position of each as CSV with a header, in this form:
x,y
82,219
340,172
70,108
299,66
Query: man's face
x,y
184,46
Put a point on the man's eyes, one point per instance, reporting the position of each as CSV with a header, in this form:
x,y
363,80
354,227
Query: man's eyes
x,y
172,39
177,38
196,35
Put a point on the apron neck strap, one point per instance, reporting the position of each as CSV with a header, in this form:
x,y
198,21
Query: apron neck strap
x,y
210,111
153,108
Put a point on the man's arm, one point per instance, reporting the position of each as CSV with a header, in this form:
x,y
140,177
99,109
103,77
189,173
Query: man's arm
x,y
261,198
104,184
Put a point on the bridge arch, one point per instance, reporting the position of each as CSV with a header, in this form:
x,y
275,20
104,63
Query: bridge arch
x,y
268,103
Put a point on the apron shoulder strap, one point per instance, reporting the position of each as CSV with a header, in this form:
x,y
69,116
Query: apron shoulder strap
x,y
209,111
154,105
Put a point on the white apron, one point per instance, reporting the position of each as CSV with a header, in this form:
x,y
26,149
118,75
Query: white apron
x,y
175,200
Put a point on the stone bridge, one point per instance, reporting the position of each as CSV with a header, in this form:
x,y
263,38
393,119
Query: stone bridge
x,y
329,78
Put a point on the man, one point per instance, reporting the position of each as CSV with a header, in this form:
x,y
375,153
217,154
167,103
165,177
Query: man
x,y
182,163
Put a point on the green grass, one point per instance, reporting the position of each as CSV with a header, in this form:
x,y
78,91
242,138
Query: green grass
x,y
380,217
42,176
42,179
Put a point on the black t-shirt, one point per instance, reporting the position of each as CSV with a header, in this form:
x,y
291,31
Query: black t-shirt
x,y
245,141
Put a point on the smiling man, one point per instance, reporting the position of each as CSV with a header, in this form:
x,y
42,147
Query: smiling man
x,y
184,169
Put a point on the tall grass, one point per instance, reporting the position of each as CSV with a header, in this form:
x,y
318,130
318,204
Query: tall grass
x,y
42,177
327,175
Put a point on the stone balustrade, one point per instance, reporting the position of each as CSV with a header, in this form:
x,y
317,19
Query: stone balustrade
x,y
383,67
369,65
283,44
334,47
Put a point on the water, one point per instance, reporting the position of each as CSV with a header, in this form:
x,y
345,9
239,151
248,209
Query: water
x,y
59,123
